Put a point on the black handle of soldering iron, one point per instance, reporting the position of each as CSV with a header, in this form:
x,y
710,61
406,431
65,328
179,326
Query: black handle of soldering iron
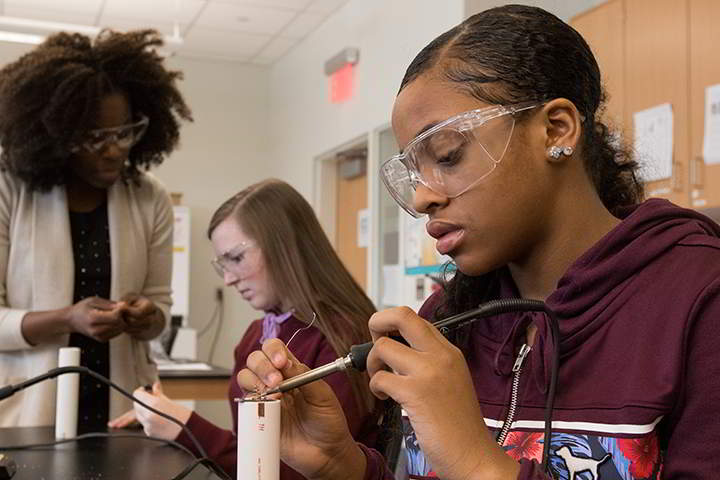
x,y
359,353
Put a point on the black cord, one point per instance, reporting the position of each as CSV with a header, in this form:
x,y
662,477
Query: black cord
x,y
11,389
550,401
508,305
184,473
190,468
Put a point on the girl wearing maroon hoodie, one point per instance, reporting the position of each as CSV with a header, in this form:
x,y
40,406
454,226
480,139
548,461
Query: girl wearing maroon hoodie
x,y
524,187
271,248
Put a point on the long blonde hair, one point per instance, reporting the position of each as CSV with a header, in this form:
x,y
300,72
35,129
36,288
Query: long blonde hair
x,y
303,267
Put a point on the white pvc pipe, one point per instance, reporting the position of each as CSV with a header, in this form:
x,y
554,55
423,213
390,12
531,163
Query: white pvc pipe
x,y
258,440
66,404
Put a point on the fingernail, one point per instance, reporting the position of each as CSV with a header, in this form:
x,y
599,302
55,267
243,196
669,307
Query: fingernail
x,y
277,358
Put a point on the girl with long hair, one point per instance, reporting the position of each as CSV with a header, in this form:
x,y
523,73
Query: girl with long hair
x,y
271,248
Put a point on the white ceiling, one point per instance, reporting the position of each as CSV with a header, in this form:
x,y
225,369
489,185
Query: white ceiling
x,y
248,31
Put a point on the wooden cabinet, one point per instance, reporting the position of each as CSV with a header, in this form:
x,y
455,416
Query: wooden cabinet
x,y
662,51
603,29
656,66
704,71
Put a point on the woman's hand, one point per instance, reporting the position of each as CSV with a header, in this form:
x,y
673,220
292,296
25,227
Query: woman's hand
x,y
154,425
94,317
97,318
143,318
315,439
127,419
431,381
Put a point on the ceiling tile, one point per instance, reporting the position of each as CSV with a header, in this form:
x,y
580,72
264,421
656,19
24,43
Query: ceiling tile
x,y
303,24
244,18
124,24
326,6
258,31
296,5
232,45
278,47
152,10
88,7
46,15
262,61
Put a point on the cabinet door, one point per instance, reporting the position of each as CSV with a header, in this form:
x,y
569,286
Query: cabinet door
x,y
602,28
656,66
704,71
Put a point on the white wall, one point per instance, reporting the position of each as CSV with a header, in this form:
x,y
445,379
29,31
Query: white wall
x,y
303,121
304,124
222,151
10,52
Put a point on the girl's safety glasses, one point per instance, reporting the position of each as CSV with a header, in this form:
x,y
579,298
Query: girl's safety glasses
x,y
452,156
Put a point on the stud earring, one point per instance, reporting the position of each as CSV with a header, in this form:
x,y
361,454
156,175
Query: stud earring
x,y
555,151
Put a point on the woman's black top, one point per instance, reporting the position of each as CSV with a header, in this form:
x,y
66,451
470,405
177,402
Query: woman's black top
x,y
91,251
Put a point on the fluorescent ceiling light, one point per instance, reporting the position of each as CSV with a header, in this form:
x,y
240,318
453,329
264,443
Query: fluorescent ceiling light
x,y
21,38
27,23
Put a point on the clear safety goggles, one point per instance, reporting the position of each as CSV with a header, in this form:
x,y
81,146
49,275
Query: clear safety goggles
x,y
452,156
123,136
237,261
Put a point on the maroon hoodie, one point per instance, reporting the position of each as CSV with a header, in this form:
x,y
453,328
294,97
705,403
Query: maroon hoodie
x,y
638,393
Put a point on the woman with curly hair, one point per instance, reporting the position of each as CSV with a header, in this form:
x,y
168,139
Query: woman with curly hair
x,y
85,233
